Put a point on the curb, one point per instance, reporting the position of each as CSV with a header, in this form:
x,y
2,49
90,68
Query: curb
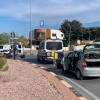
x,y
76,95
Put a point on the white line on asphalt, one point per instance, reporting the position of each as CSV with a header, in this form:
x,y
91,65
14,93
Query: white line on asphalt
x,y
53,73
84,89
66,84
42,67
82,98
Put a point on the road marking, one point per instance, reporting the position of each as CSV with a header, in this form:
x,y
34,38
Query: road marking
x,y
84,89
82,98
66,84
42,67
53,73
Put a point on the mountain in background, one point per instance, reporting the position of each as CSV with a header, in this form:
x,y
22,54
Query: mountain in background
x,y
92,24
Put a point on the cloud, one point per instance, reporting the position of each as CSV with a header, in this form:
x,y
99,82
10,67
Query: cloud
x,y
52,10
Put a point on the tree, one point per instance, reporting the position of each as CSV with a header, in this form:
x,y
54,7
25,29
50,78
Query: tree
x,y
23,40
4,38
71,27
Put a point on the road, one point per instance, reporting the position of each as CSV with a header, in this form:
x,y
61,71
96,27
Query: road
x,y
89,87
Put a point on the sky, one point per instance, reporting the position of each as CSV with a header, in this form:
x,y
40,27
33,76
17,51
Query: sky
x,y
15,14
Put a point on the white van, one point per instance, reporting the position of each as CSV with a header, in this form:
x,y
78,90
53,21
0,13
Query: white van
x,y
46,47
5,48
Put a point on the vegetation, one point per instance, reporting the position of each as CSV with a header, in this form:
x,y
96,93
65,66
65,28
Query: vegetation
x,y
74,28
77,31
2,62
23,40
4,38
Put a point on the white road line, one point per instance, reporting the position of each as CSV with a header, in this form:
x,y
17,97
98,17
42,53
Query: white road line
x,y
82,98
84,89
53,73
42,67
66,84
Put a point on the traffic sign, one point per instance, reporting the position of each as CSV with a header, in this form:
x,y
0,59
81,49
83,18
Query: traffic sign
x,y
41,23
12,34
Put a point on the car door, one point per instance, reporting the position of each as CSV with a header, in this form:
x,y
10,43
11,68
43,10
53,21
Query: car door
x,y
68,60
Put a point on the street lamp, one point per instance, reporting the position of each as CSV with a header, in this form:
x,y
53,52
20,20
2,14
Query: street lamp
x,y
30,27
69,37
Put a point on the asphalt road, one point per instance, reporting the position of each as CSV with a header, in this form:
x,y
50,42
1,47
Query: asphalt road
x,y
89,87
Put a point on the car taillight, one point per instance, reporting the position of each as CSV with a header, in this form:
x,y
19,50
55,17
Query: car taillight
x,y
84,64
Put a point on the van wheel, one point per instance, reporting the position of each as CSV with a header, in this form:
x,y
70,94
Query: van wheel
x,y
22,56
78,74
59,66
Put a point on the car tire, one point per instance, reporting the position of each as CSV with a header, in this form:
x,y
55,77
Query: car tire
x,y
43,61
78,74
22,56
38,59
59,66
64,71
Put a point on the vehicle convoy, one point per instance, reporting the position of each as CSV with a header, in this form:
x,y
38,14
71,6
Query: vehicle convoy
x,y
84,63
49,45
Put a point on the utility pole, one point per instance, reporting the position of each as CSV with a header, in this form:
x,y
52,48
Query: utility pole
x,y
30,27
13,44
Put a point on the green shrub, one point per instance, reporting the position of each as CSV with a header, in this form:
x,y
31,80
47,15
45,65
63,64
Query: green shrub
x,y
2,62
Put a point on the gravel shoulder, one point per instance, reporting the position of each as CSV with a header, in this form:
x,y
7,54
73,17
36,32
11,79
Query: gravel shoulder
x,y
24,81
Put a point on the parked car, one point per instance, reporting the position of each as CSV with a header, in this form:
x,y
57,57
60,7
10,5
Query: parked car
x,y
84,63
46,47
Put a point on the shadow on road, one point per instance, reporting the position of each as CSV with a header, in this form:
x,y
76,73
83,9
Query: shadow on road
x,y
49,66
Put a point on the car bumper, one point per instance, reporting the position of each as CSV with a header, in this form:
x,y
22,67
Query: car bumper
x,y
49,58
91,72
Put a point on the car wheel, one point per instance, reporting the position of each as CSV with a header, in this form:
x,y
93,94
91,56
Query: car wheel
x,y
64,71
22,56
58,65
78,75
38,59
43,61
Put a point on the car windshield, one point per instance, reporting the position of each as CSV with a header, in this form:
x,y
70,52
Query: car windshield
x,y
92,47
54,45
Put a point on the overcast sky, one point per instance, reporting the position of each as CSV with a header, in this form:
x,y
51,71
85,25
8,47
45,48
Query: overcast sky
x,y
14,14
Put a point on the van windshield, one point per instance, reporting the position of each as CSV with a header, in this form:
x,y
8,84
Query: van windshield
x,y
54,45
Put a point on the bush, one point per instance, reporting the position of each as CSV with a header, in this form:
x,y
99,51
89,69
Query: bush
x,y
2,62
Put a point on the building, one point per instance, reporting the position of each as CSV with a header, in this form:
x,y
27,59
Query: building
x,y
43,34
